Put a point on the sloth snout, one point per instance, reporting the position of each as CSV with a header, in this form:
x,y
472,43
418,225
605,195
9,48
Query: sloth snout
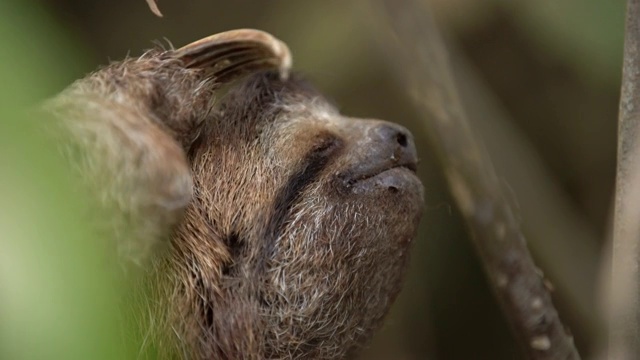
x,y
395,141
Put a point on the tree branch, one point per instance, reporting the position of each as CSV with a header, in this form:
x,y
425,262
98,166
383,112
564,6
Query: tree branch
x,y
420,56
565,244
624,342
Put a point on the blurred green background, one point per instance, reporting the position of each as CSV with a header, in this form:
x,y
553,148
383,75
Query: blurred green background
x,y
540,81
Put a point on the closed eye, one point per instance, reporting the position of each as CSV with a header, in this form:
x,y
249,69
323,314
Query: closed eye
x,y
325,146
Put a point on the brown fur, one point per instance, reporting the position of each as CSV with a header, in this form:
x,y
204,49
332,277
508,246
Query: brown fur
x,y
269,225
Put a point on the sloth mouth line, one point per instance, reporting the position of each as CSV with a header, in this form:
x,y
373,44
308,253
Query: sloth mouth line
x,y
375,172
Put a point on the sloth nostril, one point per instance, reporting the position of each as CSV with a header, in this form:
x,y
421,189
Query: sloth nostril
x,y
401,139
393,135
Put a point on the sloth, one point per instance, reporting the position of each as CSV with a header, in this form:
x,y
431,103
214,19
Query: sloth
x,y
267,225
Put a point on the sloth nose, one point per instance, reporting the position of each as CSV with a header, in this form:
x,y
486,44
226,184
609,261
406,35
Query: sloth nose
x,y
378,147
395,134
395,140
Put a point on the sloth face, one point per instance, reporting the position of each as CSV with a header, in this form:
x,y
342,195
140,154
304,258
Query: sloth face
x,y
296,240
289,223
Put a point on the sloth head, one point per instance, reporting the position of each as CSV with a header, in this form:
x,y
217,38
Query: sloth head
x,y
289,223
295,242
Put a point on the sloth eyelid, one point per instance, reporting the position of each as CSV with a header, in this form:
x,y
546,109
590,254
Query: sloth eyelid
x,y
325,146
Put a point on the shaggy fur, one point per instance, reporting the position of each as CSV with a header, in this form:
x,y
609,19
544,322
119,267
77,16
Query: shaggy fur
x,y
269,225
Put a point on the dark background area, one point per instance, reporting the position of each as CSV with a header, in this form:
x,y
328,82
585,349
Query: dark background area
x,y
552,70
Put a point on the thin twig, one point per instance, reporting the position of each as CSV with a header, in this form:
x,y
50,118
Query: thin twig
x,y
420,55
624,301
154,7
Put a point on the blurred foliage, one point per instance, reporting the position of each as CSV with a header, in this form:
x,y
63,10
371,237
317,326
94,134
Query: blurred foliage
x,y
553,66
587,34
58,296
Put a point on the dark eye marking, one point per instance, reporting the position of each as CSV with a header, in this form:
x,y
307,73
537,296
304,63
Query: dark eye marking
x,y
236,246
325,148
